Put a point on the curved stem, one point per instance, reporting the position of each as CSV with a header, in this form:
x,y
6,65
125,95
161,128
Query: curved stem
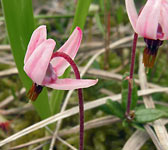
x,y
130,80
80,94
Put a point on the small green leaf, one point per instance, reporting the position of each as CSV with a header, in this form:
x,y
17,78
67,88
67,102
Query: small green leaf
x,y
115,108
106,109
149,115
124,98
125,93
134,96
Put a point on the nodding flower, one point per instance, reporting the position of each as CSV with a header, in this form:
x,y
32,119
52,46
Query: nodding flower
x,y
41,65
151,23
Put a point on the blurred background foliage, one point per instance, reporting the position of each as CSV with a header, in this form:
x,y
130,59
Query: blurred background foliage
x,y
58,16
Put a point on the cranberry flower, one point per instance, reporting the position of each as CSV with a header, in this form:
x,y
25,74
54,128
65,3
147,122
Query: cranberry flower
x,y
152,24
45,69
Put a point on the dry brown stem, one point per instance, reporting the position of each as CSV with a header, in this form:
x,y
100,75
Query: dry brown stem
x,y
158,125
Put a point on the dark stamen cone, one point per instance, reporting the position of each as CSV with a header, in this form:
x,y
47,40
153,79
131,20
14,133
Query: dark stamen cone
x,y
150,51
148,59
152,61
145,57
34,92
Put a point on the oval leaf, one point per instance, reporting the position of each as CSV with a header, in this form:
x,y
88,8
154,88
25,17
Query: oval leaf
x,y
149,115
115,108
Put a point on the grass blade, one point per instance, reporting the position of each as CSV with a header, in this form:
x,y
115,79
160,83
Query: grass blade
x,y
20,25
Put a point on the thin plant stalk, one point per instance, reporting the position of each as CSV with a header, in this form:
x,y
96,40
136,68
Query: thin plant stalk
x,y
80,94
79,20
107,19
130,80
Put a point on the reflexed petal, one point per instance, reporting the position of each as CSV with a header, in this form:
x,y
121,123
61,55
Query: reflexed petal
x,y
36,66
132,13
70,47
164,20
71,84
147,23
39,35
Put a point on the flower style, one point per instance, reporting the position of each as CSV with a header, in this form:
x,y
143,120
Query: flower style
x,y
151,23
44,69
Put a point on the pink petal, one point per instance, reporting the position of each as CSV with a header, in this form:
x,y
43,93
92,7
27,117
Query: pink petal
x,y
39,35
71,84
36,66
165,3
147,23
70,47
164,20
132,13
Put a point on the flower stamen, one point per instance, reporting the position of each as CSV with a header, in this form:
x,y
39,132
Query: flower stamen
x,y
34,91
150,51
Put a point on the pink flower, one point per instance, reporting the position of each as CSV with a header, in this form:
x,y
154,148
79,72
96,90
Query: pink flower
x,y
152,22
44,70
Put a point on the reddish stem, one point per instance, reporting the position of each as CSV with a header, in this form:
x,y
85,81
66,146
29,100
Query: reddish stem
x,y
80,94
130,83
